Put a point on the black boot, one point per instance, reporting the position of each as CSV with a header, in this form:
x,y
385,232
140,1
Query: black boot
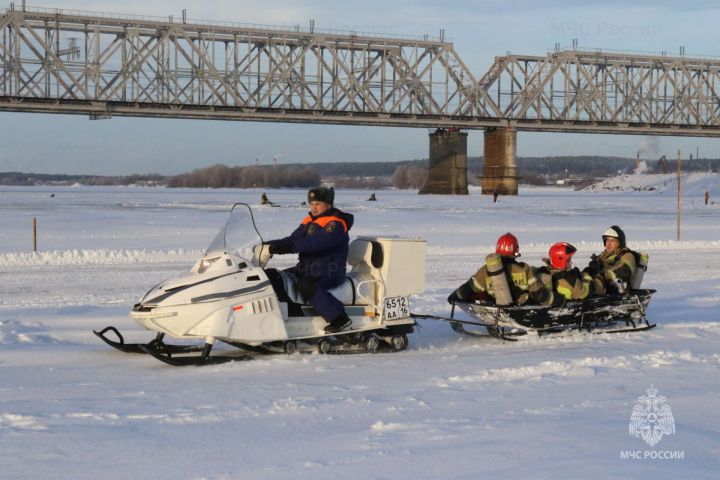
x,y
341,322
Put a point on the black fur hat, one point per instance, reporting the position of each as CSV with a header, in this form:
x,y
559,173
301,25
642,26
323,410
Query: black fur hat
x,y
321,194
615,232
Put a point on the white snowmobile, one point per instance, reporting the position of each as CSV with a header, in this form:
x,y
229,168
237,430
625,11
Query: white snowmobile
x,y
613,313
227,296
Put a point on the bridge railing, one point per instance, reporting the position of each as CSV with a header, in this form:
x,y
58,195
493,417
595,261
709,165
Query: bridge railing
x,y
296,28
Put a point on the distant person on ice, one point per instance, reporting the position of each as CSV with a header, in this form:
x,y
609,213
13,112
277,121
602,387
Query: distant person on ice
x,y
264,200
521,278
561,279
615,267
322,242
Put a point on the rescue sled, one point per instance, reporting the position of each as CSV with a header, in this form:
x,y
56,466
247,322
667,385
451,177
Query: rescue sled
x,y
609,314
613,313
227,297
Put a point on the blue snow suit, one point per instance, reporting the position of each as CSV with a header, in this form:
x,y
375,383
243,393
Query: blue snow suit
x,y
322,244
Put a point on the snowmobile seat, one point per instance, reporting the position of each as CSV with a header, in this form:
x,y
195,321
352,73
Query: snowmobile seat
x,y
349,292
366,257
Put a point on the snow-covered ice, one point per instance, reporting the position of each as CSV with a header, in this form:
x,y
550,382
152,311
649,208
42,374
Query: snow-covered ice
x,y
450,407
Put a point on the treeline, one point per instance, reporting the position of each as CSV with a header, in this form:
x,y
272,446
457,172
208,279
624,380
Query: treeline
x,y
589,166
370,175
222,176
296,176
30,179
585,166
361,169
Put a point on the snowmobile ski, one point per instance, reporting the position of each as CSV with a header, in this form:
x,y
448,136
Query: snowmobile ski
x,y
193,360
156,344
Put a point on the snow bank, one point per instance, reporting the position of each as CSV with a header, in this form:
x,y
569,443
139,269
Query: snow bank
x,y
98,257
692,183
142,256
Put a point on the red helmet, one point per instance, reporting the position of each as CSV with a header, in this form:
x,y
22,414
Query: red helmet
x,y
507,246
561,254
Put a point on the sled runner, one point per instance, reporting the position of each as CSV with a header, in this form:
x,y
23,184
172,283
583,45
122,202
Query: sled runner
x,y
227,298
607,314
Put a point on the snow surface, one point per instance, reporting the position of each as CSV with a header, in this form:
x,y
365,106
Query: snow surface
x,y
693,185
450,407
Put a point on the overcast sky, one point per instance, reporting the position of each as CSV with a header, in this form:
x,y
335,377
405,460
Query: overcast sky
x,y
480,31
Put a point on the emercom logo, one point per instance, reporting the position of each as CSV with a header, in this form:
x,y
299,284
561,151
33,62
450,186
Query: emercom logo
x,y
651,417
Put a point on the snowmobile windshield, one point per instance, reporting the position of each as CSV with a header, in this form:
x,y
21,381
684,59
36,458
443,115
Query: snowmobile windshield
x,y
239,234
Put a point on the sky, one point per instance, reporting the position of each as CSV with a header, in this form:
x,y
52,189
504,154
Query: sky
x,y
480,30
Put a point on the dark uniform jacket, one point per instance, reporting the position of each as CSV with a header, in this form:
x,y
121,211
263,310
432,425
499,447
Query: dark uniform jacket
x,y
609,269
322,244
565,284
619,265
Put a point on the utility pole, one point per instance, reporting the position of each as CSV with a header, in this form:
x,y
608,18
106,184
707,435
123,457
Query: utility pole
x,y
679,178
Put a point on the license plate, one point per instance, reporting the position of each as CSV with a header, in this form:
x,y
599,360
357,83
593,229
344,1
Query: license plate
x,y
397,307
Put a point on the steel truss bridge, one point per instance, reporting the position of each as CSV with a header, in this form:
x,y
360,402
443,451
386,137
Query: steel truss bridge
x,y
62,61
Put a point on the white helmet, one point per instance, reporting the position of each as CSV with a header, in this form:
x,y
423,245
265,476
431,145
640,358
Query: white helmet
x,y
615,232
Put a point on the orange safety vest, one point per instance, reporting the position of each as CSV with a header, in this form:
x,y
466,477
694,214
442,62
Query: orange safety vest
x,y
322,221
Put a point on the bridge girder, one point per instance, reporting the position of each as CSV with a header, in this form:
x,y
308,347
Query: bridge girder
x,y
55,61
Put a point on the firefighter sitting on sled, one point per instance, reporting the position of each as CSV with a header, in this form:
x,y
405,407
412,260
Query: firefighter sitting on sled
x,y
503,280
614,270
561,279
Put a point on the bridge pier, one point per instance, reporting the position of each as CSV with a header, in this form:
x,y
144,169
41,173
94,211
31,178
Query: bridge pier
x,y
499,165
447,171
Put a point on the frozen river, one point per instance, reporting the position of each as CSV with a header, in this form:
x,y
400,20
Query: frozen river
x,y
449,407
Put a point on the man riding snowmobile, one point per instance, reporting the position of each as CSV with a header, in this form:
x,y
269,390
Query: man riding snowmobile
x,y
321,240
613,270
521,279
560,278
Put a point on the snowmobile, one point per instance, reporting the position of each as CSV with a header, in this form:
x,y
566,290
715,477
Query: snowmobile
x,y
618,312
228,297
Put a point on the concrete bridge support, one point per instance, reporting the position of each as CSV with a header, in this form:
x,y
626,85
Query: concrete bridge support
x,y
447,172
499,166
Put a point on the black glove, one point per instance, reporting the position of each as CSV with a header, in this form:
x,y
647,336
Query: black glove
x,y
280,247
595,264
593,268
453,298
557,300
